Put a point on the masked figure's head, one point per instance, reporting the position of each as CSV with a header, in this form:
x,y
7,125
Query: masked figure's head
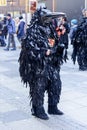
x,y
45,16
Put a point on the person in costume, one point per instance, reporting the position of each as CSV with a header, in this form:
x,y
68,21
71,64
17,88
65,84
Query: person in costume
x,y
39,63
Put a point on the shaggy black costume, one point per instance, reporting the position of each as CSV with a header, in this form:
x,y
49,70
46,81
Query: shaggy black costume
x,y
39,70
79,42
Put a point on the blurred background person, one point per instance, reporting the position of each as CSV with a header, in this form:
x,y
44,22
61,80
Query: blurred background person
x,y
73,28
21,29
2,41
5,28
63,30
72,35
11,32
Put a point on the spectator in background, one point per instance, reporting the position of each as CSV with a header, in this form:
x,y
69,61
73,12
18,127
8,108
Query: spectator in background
x,y
11,32
66,32
2,41
21,29
74,24
73,29
5,28
62,31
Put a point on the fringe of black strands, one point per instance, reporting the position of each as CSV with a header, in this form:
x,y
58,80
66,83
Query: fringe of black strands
x,y
23,61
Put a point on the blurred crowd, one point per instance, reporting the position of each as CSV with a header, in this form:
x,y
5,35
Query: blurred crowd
x,y
73,32
8,28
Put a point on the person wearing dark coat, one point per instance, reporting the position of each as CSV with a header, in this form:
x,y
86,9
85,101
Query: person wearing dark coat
x,y
65,38
11,31
21,29
2,41
5,27
39,63
73,29
63,30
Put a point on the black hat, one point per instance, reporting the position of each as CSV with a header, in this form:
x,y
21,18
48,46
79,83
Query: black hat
x,y
21,17
9,15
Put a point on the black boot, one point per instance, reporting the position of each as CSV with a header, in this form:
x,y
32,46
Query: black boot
x,y
82,68
52,109
39,112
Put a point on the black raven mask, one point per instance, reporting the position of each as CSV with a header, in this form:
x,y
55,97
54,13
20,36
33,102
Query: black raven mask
x,y
45,16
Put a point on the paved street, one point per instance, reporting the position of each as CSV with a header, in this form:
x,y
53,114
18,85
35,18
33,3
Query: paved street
x,y
15,108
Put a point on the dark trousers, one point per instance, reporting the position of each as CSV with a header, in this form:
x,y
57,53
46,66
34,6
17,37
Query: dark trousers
x,y
50,83
2,41
80,57
11,40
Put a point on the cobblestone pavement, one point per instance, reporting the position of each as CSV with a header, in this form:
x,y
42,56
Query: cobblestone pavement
x,y
15,108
